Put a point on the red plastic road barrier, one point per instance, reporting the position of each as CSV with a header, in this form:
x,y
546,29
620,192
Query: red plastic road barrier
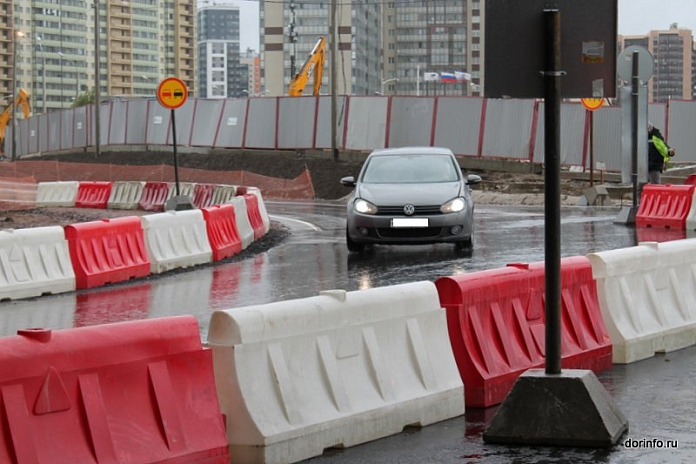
x,y
691,180
221,225
93,194
203,195
132,392
154,195
665,205
252,204
107,251
495,320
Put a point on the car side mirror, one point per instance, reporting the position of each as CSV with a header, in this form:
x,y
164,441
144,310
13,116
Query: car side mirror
x,y
348,181
472,179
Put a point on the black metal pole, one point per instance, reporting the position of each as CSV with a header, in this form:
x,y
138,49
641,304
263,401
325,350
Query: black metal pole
x,y
635,83
552,190
591,148
176,164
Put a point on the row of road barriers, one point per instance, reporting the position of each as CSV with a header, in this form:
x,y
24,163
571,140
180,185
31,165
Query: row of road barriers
x,y
146,196
296,377
50,260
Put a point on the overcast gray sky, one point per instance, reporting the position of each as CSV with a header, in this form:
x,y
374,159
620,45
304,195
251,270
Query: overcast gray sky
x,y
635,17
641,16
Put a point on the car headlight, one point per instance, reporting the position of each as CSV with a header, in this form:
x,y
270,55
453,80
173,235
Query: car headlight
x,y
455,205
364,207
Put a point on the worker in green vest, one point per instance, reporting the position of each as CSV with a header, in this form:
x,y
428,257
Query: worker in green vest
x,y
659,154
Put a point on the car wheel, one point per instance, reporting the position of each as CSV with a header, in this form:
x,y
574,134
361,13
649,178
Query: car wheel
x,y
353,247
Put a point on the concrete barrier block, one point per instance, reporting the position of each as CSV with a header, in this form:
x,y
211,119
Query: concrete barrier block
x,y
125,195
57,194
339,369
176,239
244,228
34,262
647,295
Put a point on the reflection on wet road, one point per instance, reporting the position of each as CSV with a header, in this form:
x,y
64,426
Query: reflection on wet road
x,y
314,258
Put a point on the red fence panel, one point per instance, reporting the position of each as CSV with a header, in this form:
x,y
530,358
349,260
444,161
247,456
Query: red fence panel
x,y
665,205
93,194
154,196
221,226
107,251
254,214
496,325
131,392
203,195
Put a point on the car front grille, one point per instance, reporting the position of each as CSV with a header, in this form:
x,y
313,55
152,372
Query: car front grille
x,y
418,232
399,210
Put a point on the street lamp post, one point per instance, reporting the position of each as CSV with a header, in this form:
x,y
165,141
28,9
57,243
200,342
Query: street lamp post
x,y
43,73
15,34
393,79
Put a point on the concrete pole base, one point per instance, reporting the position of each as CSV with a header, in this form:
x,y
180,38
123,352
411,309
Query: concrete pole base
x,y
627,215
568,409
178,203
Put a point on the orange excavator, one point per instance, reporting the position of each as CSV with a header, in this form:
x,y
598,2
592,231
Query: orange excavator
x,y
314,65
23,101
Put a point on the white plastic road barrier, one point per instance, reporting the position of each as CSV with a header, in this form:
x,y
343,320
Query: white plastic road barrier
x,y
34,262
57,193
335,370
176,239
647,295
262,208
246,232
185,188
223,194
691,216
125,195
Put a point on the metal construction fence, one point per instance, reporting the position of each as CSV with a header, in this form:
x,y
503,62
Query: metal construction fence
x,y
470,126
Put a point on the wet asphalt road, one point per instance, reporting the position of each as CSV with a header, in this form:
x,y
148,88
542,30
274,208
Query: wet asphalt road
x,y
657,395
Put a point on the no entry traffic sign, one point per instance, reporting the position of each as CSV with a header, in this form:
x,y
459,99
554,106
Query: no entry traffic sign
x,y
172,93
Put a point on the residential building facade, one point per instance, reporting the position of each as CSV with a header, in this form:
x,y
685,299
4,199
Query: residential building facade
x,y
433,36
673,55
357,44
220,71
139,42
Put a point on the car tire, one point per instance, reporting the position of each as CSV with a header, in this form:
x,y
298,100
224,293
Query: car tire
x,y
354,247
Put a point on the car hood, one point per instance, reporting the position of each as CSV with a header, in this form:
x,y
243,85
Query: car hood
x,y
415,194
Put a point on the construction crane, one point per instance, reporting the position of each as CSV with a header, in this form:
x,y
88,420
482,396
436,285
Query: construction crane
x,y
314,65
23,101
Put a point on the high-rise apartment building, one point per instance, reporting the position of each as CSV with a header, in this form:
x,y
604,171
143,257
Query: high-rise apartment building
x,y
140,43
220,71
672,52
252,60
358,44
433,36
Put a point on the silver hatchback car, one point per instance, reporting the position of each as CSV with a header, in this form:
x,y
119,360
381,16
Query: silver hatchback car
x,y
410,195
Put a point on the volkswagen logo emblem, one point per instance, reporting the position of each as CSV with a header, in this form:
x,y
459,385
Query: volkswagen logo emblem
x,y
409,210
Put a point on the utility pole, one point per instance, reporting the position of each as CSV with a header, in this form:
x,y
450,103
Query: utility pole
x,y
334,77
97,97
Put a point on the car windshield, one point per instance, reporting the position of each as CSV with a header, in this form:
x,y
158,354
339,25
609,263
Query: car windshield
x,y
410,169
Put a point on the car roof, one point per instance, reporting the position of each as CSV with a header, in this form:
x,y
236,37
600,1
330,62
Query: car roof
x,y
412,151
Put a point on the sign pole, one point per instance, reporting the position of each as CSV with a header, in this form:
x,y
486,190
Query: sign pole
x,y
591,148
172,94
176,164
552,192
635,83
